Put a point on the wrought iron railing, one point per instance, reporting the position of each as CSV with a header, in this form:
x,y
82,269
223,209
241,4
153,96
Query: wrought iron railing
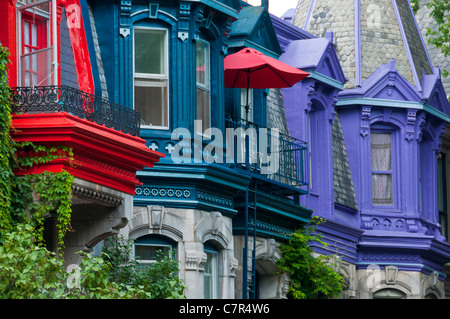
x,y
81,104
280,157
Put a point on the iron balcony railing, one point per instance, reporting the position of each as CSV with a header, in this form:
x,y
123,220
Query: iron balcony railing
x,y
280,157
81,104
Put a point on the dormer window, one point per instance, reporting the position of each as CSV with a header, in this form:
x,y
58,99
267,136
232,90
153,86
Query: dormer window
x,y
382,173
151,77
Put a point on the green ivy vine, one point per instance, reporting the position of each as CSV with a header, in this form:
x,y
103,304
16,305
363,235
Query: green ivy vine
x,y
32,197
311,276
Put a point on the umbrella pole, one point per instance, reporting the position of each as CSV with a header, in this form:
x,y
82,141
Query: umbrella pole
x,y
247,106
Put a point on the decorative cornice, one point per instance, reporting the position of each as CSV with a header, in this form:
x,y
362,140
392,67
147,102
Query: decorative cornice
x,y
195,260
365,121
404,224
101,155
233,265
92,194
184,14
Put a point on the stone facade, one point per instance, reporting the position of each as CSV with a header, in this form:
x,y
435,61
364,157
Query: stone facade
x,y
190,229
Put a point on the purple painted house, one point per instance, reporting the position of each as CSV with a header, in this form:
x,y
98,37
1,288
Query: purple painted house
x,y
374,112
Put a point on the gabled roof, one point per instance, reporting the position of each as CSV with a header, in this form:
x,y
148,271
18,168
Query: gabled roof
x,y
254,29
433,92
386,83
316,54
230,7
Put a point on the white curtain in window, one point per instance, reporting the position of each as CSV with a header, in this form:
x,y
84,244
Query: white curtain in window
x,y
381,158
381,151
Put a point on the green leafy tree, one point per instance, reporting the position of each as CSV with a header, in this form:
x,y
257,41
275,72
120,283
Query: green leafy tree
x,y
439,36
311,276
29,271
160,279
27,268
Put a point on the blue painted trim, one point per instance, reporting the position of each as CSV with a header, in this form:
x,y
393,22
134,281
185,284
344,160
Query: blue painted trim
x,y
310,11
221,7
261,233
250,44
358,61
325,79
406,44
394,104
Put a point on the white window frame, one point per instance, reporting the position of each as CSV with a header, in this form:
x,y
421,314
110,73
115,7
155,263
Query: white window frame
x,y
145,79
206,87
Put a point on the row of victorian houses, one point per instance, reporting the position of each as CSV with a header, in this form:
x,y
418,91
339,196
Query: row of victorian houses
x,y
361,141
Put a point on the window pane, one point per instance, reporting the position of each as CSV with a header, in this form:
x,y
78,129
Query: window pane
x,y
202,63
27,79
34,62
26,60
34,35
203,109
381,151
151,102
36,69
203,85
147,252
149,51
26,33
210,276
382,193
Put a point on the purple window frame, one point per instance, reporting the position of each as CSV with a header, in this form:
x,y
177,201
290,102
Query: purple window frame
x,y
394,132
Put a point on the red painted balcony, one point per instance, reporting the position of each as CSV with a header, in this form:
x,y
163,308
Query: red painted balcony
x,y
103,135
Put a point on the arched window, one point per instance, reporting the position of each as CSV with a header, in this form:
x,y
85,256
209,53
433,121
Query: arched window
x,y
211,272
389,293
146,248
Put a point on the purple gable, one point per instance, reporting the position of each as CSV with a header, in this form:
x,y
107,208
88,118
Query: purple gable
x,y
316,54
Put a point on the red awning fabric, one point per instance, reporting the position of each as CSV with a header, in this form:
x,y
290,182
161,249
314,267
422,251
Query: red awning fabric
x,y
250,68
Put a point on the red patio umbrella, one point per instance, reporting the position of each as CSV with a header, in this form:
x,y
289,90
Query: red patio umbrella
x,y
250,68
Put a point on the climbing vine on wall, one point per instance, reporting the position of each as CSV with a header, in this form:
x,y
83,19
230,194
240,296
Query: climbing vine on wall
x,y
311,276
31,197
